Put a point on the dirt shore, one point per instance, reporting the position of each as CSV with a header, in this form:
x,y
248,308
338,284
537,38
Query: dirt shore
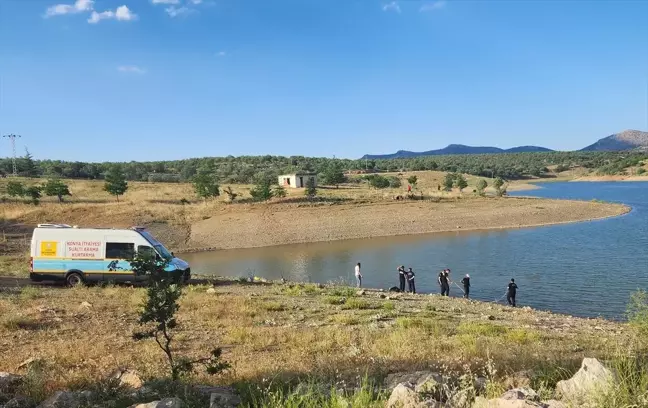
x,y
256,226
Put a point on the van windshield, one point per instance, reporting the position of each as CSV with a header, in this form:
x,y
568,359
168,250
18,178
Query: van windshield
x,y
157,245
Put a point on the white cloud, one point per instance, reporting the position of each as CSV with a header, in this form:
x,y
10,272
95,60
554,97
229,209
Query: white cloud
x,y
122,13
79,6
221,54
131,69
437,5
393,6
165,1
177,11
195,1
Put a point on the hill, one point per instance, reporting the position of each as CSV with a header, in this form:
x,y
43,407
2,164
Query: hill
x,y
455,149
626,140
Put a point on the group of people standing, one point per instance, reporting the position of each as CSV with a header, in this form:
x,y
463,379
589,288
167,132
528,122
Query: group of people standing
x,y
407,276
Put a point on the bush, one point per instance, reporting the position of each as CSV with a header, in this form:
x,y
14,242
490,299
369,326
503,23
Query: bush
x,y
279,192
412,180
641,171
394,182
637,311
262,191
55,187
355,303
15,189
481,186
377,181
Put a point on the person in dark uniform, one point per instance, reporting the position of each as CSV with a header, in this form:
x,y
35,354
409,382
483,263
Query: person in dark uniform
x,y
401,277
512,291
447,274
410,281
466,285
443,283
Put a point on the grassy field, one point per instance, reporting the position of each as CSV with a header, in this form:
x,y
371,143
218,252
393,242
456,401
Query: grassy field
x,y
281,333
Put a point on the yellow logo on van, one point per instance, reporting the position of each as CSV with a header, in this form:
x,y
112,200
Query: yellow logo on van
x,y
48,248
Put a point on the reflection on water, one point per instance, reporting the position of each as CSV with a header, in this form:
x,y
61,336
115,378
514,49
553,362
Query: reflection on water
x,y
586,269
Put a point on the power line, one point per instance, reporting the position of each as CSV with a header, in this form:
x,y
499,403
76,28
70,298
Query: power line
x,y
13,137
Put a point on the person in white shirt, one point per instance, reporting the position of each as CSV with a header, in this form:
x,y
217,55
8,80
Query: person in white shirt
x,y
358,275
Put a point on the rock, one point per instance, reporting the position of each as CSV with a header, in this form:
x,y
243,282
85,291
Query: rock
x,y
521,394
128,379
220,397
404,396
481,402
593,377
153,404
480,384
554,404
85,305
394,289
419,380
19,402
360,293
211,291
66,399
8,382
165,403
382,296
491,317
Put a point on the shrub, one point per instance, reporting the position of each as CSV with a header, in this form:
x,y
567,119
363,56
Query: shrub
x,y
412,180
34,192
481,186
641,171
389,306
279,192
311,189
377,181
158,316
460,182
394,182
448,182
262,191
15,189
205,183
637,311
335,300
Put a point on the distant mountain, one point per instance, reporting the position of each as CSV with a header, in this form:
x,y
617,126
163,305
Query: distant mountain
x,y
456,149
626,140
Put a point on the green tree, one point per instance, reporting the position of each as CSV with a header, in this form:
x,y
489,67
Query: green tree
x,y
311,189
29,168
333,175
460,182
205,183
412,180
279,192
158,317
481,186
230,194
116,183
33,192
394,182
499,186
262,191
377,181
15,189
448,182
55,187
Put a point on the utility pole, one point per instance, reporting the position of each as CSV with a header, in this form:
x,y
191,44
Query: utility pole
x,y
13,137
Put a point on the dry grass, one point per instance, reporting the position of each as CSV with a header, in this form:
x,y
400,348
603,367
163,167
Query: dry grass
x,y
269,334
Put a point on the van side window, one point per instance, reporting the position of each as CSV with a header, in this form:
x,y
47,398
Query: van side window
x,y
146,251
119,250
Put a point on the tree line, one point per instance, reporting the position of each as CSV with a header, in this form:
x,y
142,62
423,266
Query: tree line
x,y
252,169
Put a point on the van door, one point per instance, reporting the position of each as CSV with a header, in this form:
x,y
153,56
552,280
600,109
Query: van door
x,y
119,252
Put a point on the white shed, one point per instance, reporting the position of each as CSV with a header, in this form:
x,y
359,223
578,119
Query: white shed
x,y
297,180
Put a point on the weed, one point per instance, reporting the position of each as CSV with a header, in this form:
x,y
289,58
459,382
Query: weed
x,y
273,307
355,303
343,291
335,300
480,329
389,306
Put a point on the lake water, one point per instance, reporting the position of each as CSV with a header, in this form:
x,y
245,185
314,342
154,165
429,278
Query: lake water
x,y
585,269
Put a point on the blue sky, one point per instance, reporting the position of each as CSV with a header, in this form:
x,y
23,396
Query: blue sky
x,y
120,80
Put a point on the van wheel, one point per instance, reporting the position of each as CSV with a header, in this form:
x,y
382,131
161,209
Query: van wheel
x,y
74,279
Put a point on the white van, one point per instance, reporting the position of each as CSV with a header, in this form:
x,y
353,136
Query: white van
x,y
78,255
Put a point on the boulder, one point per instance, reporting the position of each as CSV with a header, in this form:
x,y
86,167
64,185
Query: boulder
x,y
9,382
404,396
521,394
421,380
165,403
19,402
592,378
223,397
66,399
128,379
211,291
360,293
482,402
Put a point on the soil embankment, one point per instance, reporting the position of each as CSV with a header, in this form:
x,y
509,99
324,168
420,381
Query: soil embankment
x,y
258,226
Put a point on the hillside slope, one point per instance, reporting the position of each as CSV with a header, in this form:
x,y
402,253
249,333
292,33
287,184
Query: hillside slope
x,y
626,140
456,149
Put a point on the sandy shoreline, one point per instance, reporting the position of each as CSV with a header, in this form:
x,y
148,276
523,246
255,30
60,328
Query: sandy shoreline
x,y
254,227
